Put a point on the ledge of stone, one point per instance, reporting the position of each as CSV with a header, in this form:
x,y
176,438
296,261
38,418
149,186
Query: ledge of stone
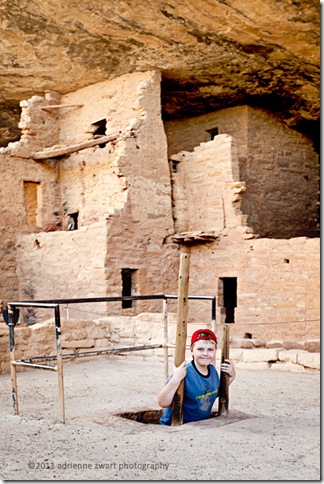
x,y
312,346
276,358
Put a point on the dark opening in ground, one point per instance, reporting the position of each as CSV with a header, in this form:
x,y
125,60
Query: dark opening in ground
x,y
143,416
147,416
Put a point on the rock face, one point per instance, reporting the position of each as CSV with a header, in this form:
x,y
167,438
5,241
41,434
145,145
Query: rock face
x,y
212,53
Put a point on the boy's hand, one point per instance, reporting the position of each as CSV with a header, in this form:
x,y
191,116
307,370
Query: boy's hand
x,y
166,395
228,367
179,372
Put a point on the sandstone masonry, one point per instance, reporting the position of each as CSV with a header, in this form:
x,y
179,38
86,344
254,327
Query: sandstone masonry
x,y
235,187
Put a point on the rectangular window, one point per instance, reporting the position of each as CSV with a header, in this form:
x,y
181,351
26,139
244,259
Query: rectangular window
x,y
213,132
227,297
32,201
129,286
99,129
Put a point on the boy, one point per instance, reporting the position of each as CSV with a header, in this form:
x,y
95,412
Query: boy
x,y
201,380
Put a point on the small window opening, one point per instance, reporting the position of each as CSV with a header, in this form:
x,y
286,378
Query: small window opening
x,y
100,130
287,261
213,132
228,297
73,221
32,201
248,335
129,286
174,166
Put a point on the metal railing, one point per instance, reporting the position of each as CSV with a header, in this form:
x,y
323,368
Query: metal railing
x,y
58,367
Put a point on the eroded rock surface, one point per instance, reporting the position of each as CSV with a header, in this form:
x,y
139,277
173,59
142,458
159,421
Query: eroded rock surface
x,y
212,53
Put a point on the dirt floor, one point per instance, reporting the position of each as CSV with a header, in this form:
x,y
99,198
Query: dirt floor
x,y
271,433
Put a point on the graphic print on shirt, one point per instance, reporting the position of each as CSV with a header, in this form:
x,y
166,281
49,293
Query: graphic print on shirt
x,y
205,398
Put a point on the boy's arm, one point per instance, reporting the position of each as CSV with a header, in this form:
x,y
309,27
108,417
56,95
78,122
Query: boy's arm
x,y
166,395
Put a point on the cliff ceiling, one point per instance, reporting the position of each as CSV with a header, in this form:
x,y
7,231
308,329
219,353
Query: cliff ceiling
x,y
212,53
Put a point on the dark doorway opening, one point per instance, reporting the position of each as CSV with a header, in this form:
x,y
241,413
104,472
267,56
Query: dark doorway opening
x,y
228,297
129,283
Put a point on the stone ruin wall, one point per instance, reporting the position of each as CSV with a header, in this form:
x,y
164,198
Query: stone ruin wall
x,y
279,167
128,217
121,193
278,284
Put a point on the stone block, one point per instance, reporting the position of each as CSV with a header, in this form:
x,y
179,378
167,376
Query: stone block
x,y
259,355
102,343
289,355
235,354
290,345
275,344
287,366
100,332
77,335
253,365
124,342
309,360
313,346
4,330
259,343
42,338
25,332
83,343
246,343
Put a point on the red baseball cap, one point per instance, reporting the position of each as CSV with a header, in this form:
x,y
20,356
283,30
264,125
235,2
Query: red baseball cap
x,y
203,334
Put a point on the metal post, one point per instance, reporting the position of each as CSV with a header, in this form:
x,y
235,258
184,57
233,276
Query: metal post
x,y
213,314
166,352
13,371
59,362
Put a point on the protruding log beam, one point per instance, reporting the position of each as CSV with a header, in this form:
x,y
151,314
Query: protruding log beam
x,y
67,150
50,107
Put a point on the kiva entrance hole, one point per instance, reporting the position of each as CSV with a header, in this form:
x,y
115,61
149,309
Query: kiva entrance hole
x,y
143,416
147,416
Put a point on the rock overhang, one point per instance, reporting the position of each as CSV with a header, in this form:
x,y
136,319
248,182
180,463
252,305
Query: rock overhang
x,y
212,54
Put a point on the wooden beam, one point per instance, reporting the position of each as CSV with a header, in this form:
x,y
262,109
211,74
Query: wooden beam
x,y
67,150
223,397
181,336
60,106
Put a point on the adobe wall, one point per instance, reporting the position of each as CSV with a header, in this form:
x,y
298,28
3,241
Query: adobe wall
x,y
278,166
129,209
278,288
282,179
207,190
17,168
121,192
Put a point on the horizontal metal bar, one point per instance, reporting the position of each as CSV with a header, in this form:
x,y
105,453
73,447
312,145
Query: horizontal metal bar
x,y
51,303
116,350
33,303
34,365
86,300
97,352
175,296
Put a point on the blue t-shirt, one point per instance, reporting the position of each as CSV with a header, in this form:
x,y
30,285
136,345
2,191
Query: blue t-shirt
x,y
200,393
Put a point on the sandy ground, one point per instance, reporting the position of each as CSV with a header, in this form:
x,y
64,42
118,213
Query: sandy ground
x,y
271,433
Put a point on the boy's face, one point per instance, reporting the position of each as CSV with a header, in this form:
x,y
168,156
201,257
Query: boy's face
x,y
203,352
